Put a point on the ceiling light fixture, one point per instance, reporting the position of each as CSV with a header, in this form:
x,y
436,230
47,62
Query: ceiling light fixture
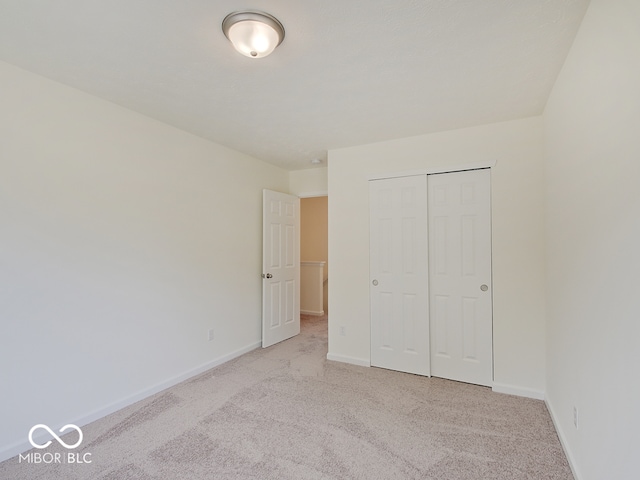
x,y
253,34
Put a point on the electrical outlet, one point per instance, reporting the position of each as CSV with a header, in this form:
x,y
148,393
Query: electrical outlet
x,y
343,331
210,334
575,417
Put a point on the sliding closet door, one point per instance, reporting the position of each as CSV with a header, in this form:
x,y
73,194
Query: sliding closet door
x,y
460,276
398,274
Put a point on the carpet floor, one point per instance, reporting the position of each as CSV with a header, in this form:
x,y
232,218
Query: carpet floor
x,y
285,412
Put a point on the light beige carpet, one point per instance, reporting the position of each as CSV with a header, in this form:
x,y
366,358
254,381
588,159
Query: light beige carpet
x,y
287,413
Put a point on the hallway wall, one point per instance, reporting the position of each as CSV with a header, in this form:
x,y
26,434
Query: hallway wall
x,y
314,236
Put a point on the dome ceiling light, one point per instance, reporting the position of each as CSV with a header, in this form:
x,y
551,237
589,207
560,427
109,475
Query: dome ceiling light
x,y
253,34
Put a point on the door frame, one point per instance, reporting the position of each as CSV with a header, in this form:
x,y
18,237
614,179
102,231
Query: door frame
x,y
317,194
432,170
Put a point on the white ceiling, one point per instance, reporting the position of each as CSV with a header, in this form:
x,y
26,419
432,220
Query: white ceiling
x,y
349,72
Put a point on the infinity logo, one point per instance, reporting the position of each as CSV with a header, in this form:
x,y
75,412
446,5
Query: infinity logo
x,y
66,427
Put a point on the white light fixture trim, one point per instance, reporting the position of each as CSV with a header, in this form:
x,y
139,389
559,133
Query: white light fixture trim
x,y
253,34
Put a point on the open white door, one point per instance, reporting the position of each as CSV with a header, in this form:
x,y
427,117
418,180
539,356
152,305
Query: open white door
x,y
280,267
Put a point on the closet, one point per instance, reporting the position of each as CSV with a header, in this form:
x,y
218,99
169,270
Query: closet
x,y
430,275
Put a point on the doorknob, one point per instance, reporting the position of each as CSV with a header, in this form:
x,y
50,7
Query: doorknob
x,y
375,283
268,275
484,288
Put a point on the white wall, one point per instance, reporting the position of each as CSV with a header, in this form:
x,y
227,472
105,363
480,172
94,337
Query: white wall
x,y
311,182
592,130
518,238
122,241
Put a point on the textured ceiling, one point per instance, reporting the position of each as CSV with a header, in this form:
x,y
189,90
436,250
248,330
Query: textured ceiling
x,y
349,72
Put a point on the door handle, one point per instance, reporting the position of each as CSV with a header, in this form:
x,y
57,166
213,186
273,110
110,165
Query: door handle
x,y
484,288
375,283
268,275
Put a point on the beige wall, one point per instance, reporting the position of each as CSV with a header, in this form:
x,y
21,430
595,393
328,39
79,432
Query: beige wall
x,y
518,239
313,235
592,128
123,241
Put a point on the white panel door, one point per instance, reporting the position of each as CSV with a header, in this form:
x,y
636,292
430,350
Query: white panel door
x,y
280,267
460,276
398,274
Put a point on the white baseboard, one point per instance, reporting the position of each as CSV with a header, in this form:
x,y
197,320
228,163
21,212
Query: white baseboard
x,y
312,312
362,362
518,391
22,446
563,441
